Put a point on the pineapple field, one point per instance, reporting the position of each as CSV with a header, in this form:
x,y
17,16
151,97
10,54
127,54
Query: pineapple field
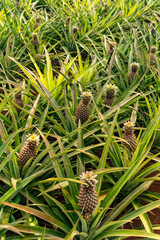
x,y
79,119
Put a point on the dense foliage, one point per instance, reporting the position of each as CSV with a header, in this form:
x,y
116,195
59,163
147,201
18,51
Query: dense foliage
x,y
109,49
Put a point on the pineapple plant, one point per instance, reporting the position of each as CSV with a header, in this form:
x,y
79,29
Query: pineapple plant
x,y
37,24
29,150
87,199
134,72
18,100
110,91
129,136
83,109
152,55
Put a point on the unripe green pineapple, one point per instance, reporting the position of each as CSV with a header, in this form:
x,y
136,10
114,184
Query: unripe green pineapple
x,y
29,150
110,91
129,136
133,74
87,199
83,110
18,100
152,55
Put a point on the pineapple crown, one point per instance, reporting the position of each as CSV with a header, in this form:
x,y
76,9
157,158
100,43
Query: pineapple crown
x,y
33,138
87,94
153,49
134,67
110,89
89,178
86,97
128,126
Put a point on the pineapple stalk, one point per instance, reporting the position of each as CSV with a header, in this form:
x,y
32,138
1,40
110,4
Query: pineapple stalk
x,y
109,94
83,110
29,150
129,136
134,72
87,199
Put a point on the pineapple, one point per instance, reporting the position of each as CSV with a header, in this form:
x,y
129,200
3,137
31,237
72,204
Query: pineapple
x,y
83,110
18,100
37,24
35,39
109,94
129,136
87,199
152,56
29,150
133,74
